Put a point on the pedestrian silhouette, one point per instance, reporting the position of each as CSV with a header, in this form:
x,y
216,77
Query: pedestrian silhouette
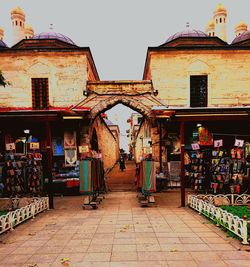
x,y
122,163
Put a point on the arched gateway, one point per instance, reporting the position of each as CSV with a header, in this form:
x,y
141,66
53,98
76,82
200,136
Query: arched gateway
x,y
137,95
103,95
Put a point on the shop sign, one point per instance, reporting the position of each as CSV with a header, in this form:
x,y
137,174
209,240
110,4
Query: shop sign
x,y
34,145
147,150
239,143
83,149
10,146
218,143
146,141
195,146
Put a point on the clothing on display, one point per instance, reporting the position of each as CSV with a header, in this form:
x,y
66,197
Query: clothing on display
x,y
22,175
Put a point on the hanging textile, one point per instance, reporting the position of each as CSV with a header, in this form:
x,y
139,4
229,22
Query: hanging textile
x,y
148,177
86,181
95,174
205,137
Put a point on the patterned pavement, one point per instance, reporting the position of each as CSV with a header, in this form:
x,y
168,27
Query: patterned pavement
x,y
120,233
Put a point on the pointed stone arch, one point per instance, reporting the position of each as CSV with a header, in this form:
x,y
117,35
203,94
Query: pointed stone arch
x,y
39,67
199,66
101,96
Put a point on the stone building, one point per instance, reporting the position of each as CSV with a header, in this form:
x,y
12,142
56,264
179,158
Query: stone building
x,y
195,79
48,74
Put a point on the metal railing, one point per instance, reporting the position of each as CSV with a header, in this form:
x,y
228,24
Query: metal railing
x,y
13,218
222,218
228,199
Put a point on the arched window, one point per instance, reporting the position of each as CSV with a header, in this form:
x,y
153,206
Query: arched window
x,y
216,21
220,20
16,23
213,33
209,33
224,20
26,37
21,23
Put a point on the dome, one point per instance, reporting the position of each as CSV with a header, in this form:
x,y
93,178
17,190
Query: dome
x,y
243,37
241,24
17,10
220,8
2,44
211,24
187,33
28,27
54,35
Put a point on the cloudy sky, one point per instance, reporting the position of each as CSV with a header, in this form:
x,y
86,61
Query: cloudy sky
x,y
118,32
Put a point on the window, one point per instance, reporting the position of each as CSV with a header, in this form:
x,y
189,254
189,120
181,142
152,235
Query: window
x,y
21,23
40,93
198,91
220,20
16,22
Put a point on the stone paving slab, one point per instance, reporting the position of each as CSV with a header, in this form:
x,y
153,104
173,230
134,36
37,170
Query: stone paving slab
x,y
120,233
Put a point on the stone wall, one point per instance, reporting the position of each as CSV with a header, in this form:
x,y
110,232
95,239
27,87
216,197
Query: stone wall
x,y
107,142
66,73
149,128
227,70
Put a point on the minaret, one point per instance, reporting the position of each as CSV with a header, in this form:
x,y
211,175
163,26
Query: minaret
x,y
210,31
220,16
1,34
240,28
29,32
18,21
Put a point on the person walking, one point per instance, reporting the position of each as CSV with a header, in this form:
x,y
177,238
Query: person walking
x,y
122,164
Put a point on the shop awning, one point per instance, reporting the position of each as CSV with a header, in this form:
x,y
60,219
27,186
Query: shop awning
x,y
202,114
43,115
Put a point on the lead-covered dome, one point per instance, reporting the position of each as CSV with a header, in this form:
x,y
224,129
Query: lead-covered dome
x,y
186,33
53,35
242,37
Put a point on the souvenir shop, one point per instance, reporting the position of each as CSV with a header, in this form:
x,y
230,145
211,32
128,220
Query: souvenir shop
x,y
217,157
30,164
208,149
21,166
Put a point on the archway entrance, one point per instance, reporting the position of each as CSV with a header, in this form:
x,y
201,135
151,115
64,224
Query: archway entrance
x,y
126,122
138,95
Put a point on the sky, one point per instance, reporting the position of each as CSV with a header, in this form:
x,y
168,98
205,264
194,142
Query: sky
x,y
119,32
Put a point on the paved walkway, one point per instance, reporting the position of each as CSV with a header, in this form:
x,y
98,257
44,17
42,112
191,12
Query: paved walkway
x,y
120,233
122,180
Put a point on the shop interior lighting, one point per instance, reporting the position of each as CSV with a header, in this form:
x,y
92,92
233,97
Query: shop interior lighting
x,y
199,125
26,131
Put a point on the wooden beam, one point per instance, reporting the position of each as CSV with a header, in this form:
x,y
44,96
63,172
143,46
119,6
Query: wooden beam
x,y
182,139
49,163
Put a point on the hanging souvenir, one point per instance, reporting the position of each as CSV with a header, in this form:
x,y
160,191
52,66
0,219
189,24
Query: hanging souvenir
x,y
205,137
70,157
69,139
218,143
195,146
57,146
239,142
